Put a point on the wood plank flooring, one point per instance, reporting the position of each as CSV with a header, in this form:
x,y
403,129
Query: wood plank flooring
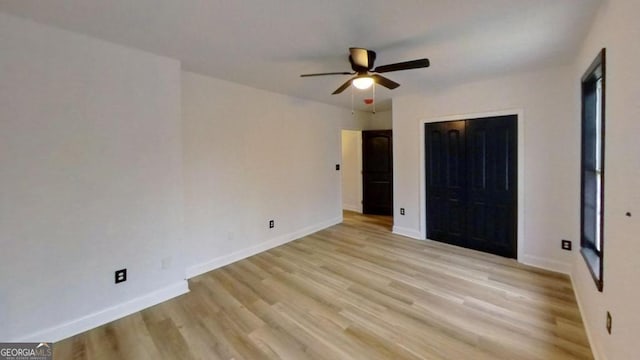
x,y
354,291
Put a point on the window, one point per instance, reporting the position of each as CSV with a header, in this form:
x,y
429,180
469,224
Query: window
x,y
592,164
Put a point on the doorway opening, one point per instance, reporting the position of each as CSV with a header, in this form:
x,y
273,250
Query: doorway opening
x,y
367,173
352,170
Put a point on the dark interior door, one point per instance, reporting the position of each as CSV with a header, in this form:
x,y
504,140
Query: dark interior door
x,y
377,172
446,182
479,212
492,183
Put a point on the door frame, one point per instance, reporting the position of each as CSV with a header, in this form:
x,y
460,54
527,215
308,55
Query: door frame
x,y
521,180
346,171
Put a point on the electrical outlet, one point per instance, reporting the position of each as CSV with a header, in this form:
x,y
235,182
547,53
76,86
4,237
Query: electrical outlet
x,y
401,211
272,224
566,245
121,276
337,167
609,322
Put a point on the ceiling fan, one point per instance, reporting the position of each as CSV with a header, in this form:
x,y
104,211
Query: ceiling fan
x,y
366,75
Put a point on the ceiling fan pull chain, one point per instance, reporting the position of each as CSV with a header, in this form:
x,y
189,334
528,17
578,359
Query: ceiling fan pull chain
x,y
374,98
352,111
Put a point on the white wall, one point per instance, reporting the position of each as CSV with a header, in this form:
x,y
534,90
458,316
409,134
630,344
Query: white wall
x,y
381,120
550,173
90,180
251,156
352,170
616,28
365,120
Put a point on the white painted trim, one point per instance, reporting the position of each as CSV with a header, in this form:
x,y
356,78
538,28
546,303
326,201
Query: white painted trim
x,y
407,232
521,166
91,321
351,207
546,264
595,350
221,261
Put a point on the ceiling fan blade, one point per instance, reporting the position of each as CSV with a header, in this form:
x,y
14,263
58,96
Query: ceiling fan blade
x,y
343,87
406,65
329,73
388,83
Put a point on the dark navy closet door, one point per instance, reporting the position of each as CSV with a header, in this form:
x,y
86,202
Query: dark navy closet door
x,y
471,172
446,175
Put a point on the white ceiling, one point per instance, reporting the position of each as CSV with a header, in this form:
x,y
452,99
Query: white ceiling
x,y
267,44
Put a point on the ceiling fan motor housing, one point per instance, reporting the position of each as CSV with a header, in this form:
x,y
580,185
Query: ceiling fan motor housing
x,y
362,64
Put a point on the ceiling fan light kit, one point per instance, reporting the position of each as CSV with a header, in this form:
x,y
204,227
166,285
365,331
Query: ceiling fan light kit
x,y
362,82
362,61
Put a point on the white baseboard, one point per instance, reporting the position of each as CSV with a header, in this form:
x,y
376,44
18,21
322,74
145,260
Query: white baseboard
x,y
351,207
245,253
594,348
107,315
407,232
552,265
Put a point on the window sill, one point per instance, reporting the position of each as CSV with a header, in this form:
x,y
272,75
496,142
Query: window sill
x,y
594,264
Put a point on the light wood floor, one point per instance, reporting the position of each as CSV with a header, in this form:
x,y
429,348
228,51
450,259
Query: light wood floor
x,y
354,291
